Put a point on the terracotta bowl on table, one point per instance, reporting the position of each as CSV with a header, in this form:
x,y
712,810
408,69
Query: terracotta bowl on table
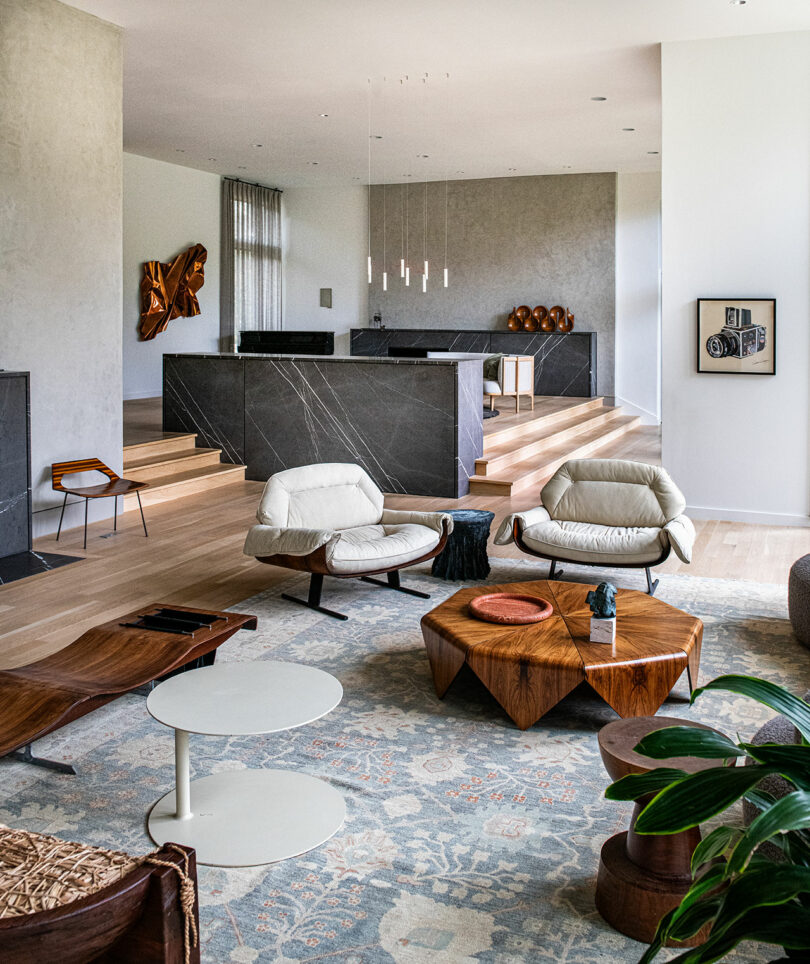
x,y
510,608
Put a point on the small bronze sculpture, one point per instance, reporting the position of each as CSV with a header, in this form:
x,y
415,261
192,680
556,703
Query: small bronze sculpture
x,y
602,600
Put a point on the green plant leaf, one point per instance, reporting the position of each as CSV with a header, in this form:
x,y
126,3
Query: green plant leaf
x,y
698,915
792,759
697,798
790,813
674,741
684,920
767,886
640,784
713,845
761,799
778,698
787,925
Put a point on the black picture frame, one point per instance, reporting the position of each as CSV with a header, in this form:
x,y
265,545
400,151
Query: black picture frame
x,y
736,336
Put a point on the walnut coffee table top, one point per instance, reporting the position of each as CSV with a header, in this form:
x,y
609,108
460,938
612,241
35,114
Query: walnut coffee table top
x,y
529,669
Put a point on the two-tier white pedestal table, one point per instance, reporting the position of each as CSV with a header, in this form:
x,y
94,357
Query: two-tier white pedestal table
x,y
239,818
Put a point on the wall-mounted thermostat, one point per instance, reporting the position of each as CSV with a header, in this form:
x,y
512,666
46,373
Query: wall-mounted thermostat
x,y
326,297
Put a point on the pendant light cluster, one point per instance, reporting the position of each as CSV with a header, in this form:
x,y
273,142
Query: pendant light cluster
x,y
405,194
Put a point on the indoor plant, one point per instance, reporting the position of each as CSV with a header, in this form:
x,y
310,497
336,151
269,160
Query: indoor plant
x,y
740,891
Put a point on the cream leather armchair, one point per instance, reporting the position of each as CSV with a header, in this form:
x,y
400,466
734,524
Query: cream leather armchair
x,y
605,512
515,378
329,520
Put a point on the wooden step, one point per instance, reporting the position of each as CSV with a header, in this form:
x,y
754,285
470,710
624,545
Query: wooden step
x,y
548,411
157,466
532,472
498,457
170,445
175,486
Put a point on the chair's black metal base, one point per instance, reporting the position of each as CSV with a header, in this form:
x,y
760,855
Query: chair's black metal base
x,y
555,573
26,756
313,600
393,583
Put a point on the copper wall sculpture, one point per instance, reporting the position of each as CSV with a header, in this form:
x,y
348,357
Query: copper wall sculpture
x,y
170,290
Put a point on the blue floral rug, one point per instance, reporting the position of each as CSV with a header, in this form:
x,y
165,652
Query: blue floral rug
x,y
465,839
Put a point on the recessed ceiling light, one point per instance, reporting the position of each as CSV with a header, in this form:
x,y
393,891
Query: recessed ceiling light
x,y
652,152
314,163
179,150
567,167
737,3
323,115
375,137
628,128
258,145
241,167
211,158
459,172
424,157
511,169
598,98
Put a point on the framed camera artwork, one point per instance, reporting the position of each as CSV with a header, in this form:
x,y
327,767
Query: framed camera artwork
x,y
736,335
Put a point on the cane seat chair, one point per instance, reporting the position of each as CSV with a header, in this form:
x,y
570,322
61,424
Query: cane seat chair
x,y
114,487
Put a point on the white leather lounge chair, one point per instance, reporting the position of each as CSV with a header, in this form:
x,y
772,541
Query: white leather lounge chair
x,y
605,512
329,520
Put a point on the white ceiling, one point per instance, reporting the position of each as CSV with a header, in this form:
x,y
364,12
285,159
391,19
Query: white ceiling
x,y
205,81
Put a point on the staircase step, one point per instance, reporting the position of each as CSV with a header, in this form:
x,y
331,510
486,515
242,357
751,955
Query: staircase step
x,y
175,486
561,410
531,472
169,445
544,436
157,466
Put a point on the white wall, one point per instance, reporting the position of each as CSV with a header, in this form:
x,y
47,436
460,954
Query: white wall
x,y
325,245
167,208
638,295
736,222
60,241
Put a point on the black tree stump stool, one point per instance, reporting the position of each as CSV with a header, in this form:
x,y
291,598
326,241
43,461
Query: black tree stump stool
x,y
465,555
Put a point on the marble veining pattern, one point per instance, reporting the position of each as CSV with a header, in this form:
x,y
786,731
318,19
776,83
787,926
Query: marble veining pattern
x,y
564,364
15,488
206,397
414,425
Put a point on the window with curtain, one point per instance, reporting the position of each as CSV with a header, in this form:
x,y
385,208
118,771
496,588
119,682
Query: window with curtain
x,y
250,281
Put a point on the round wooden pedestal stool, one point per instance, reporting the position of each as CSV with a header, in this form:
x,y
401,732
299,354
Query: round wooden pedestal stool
x,y
641,876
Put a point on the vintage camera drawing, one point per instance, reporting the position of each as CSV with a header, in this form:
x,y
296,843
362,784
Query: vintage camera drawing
x,y
738,338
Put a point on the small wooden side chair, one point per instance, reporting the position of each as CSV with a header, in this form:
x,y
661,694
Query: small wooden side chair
x,y
112,489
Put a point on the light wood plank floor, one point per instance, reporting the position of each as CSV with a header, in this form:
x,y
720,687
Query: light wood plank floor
x,y
193,556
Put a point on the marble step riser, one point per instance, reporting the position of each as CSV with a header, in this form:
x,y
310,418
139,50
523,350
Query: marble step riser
x,y
157,494
569,433
164,446
530,426
173,465
541,474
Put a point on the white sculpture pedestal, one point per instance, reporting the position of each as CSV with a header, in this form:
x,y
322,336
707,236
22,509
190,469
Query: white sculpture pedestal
x,y
603,630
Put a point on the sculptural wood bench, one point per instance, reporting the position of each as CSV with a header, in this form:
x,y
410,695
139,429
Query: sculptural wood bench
x,y
102,664
70,903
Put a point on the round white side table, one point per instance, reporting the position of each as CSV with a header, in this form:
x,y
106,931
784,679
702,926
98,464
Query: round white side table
x,y
239,818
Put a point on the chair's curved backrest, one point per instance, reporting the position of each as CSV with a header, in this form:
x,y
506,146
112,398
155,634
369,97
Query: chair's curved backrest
x,y
331,495
60,469
612,492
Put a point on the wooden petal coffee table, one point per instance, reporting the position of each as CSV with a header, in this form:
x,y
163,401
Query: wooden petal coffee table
x,y
529,669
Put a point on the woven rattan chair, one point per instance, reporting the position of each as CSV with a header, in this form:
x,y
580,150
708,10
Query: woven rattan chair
x,y
70,903
112,489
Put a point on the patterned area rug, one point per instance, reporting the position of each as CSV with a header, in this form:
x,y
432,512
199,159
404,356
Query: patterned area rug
x,y
465,839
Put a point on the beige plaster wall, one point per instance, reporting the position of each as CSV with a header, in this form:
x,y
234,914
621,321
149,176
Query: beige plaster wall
x,y
167,208
518,240
60,244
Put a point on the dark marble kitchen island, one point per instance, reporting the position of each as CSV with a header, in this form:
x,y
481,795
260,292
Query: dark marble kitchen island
x,y
415,425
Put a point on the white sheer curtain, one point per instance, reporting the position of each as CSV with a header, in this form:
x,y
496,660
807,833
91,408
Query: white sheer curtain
x,y
250,281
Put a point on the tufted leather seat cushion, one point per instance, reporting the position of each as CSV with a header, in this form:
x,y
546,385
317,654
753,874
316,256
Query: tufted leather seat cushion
x,y
595,544
380,547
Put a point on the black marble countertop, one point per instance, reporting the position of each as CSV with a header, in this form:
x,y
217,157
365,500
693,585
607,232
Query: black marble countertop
x,y
363,359
480,331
